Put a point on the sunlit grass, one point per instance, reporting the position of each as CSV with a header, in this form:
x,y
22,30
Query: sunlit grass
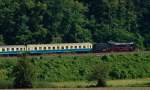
x,y
83,84
130,83
71,84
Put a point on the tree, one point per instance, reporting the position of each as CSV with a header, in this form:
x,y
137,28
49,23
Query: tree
x,y
143,13
1,40
78,34
100,74
23,74
139,41
109,18
67,21
58,21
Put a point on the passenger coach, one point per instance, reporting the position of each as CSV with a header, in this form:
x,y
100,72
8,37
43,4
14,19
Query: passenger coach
x,y
46,48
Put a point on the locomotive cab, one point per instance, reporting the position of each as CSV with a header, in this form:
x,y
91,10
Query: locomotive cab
x,y
119,47
101,47
113,47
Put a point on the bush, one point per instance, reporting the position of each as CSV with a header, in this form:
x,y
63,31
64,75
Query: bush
x,y
100,74
6,84
3,74
75,68
23,74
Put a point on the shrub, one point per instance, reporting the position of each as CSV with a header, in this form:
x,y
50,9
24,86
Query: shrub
x,y
100,74
5,84
23,74
3,74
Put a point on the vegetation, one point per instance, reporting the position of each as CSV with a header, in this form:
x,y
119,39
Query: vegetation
x,y
83,84
50,69
100,74
58,21
23,74
76,68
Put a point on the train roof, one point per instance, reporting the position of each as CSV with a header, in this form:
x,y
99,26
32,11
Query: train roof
x,y
60,44
118,43
45,44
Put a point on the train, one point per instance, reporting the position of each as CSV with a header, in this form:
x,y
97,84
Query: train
x,y
66,48
114,47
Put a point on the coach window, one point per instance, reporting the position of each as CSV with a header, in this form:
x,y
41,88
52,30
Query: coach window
x,y
40,48
53,48
84,46
79,46
20,49
62,47
7,49
17,49
57,47
75,47
35,48
49,48
12,49
3,49
90,46
28,48
66,47
44,48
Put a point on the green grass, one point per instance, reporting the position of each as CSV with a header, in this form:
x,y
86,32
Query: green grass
x,y
5,84
83,84
130,83
75,84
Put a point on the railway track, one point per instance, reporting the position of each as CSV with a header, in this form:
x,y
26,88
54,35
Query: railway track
x,y
95,54
81,54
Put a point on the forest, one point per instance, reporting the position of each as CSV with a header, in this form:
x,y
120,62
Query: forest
x,y
65,21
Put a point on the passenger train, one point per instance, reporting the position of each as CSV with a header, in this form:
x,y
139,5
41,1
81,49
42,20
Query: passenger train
x,y
66,48
46,48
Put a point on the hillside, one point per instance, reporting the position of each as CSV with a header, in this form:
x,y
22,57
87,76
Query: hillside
x,y
57,21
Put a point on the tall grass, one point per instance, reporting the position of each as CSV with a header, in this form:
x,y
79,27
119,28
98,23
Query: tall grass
x,y
82,84
5,84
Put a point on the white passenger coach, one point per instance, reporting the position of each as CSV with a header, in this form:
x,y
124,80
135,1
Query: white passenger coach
x,y
46,48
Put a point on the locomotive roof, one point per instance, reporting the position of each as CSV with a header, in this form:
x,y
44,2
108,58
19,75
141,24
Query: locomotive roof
x,y
119,43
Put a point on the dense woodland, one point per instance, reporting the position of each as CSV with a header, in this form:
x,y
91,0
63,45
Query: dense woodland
x,y
59,21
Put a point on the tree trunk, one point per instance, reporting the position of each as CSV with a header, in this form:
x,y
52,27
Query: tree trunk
x,y
101,83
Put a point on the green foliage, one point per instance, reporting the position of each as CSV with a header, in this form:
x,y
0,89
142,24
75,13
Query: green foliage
x,y
100,74
23,74
58,21
4,84
77,68
1,40
35,21
3,74
105,58
140,41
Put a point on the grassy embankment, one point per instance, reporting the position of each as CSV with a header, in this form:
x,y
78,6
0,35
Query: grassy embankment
x,y
73,71
82,84
111,83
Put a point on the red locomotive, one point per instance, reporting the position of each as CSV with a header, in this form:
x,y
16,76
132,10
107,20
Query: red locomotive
x,y
113,47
